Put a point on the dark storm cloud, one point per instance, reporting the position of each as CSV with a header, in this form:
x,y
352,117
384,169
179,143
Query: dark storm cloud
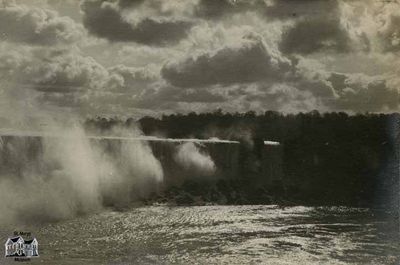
x,y
278,9
316,22
290,9
213,9
129,3
338,81
317,26
250,61
104,19
30,25
313,35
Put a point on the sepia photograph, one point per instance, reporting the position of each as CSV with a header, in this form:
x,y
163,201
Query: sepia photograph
x,y
200,132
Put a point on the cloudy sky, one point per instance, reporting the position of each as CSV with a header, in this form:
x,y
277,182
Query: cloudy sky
x,y
146,57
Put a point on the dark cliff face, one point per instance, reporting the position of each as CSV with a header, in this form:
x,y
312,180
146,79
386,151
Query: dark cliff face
x,y
327,159
192,172
181,165
330,159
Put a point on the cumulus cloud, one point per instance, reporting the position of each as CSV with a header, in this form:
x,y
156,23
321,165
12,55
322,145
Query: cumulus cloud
x,y
56,77
52,70
129,79
287,98
373,25
248,61
207,96
390,33
325,91
164,96
360,93
38,26
236,55
354,92
106,20
68,78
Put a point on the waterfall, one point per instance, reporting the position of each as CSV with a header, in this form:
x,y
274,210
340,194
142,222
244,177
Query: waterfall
x,y
50,176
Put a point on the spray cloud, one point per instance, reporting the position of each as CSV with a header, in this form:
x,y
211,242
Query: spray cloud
x,y
52,178
191,158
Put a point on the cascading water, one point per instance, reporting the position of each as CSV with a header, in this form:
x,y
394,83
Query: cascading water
x,y
51,176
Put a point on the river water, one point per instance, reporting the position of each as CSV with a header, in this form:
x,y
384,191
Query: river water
x,y
218,235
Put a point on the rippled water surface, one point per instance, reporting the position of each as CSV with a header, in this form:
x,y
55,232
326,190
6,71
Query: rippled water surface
x,y
219,235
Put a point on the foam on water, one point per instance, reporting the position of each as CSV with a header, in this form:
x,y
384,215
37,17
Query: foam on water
x,y
222,235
